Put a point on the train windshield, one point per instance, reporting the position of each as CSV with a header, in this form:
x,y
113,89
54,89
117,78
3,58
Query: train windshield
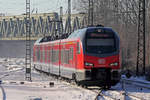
x,y
100,41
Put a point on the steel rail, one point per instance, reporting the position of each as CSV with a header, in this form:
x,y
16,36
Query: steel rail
x,y
3,93
137,83
98,91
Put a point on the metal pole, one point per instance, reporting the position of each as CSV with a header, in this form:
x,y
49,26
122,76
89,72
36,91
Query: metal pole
x,y
61,13
144,18
92,13
60,23
141,38
89,10
28,42
69,15
116,20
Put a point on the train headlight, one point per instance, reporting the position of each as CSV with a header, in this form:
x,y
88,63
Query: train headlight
x,y
88,64
114,64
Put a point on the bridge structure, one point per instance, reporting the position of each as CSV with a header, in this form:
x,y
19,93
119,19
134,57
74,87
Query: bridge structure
x,y
44,24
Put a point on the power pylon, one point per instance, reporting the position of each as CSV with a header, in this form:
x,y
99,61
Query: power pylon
x,y
91,13
69,15
141,38
28,44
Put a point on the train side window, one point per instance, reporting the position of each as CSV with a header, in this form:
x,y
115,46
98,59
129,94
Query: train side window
x,y
51,55
78,48
47,55
56,59
38,53
43,54
35,54
58,56
55,55
67,56
71,54
61,56
35,57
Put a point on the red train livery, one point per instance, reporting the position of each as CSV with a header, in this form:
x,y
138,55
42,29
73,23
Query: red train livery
x,y
89,55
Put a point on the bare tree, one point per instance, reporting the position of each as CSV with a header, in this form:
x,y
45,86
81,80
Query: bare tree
x,y
122,16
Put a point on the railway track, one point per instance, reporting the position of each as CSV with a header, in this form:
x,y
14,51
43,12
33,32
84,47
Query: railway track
x,y
9,73
100,91
102,95
119,95
11,68
122,95
136,83
3,93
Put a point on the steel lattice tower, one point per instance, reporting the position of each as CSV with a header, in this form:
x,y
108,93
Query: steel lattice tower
x,y
28,44
141,38
116,11
91,13
69,15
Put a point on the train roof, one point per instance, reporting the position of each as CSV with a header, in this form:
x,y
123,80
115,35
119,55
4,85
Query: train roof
x,y
106,28
38,41
43,39
80,33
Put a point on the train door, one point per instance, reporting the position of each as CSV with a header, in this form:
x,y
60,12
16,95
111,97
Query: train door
x,y
75,61
75,57
72,58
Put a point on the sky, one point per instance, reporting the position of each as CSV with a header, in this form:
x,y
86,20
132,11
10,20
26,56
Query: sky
x,y
17,7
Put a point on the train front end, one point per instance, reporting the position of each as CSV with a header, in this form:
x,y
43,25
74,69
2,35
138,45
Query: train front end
x,y
101,56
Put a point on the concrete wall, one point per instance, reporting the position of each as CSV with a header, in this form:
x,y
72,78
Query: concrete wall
x,y
13,48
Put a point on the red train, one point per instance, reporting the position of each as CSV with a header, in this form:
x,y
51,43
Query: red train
x,y
89,56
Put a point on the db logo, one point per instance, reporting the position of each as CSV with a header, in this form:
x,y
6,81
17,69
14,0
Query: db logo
x,y
101,61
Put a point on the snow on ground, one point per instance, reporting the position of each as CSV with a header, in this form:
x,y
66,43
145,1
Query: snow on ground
x,y
14,86
13,74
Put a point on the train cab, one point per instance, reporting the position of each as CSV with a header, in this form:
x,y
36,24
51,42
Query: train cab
x,y
100,50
